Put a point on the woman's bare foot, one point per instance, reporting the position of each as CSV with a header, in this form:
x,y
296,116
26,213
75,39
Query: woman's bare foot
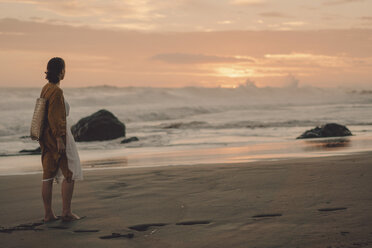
x,y
50,218
70,217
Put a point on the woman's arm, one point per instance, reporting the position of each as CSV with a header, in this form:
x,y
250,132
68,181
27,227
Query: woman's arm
x,y
57,118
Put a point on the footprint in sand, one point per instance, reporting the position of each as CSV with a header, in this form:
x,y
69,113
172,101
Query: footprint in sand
x,y
265,215
31,224
59,227
61,224
331,209
118,235
145,227
194,222
86,230
22,227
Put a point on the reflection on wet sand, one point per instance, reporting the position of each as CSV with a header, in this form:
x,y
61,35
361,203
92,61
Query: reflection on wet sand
x,y
113,162
327,144
187,155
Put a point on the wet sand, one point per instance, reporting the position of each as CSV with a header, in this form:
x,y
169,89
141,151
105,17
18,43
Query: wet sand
x,y
310,202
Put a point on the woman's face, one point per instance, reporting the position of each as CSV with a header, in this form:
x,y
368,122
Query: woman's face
x,y
62,75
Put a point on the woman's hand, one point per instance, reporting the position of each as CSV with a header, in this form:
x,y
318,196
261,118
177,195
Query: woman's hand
x,y
61,146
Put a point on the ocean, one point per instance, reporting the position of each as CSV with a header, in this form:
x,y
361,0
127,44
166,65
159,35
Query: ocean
x,y
194,125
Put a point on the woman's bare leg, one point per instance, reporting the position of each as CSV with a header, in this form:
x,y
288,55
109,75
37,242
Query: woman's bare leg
x,y
46,192
67,191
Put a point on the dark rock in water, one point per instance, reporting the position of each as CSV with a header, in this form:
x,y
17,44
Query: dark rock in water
x,y
36,151
102,125
327,130
131,139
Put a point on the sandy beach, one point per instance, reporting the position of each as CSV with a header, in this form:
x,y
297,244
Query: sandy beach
x,y
310,202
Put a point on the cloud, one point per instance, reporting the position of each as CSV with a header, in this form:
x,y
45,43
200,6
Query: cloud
x,y
366,18
183,58
182,15
128,15
19,1
294,24
12,33
275,14
247,2
141,58
338,2
309,60
225,22
139,9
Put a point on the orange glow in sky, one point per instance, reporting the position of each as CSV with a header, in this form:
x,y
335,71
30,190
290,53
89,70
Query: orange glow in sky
x,y
208,43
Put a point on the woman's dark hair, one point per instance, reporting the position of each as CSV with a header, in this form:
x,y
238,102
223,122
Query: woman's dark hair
x,y
54,69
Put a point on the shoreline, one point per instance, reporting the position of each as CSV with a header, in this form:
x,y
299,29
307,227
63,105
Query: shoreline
x,y
148,157
116,161
308,202
183,166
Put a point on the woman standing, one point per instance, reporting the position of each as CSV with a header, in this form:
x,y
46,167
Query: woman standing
x,y
59,155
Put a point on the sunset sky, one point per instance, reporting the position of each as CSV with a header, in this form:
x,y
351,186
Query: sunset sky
x,y
175,43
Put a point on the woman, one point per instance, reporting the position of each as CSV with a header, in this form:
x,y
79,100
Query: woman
x,y
58,150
